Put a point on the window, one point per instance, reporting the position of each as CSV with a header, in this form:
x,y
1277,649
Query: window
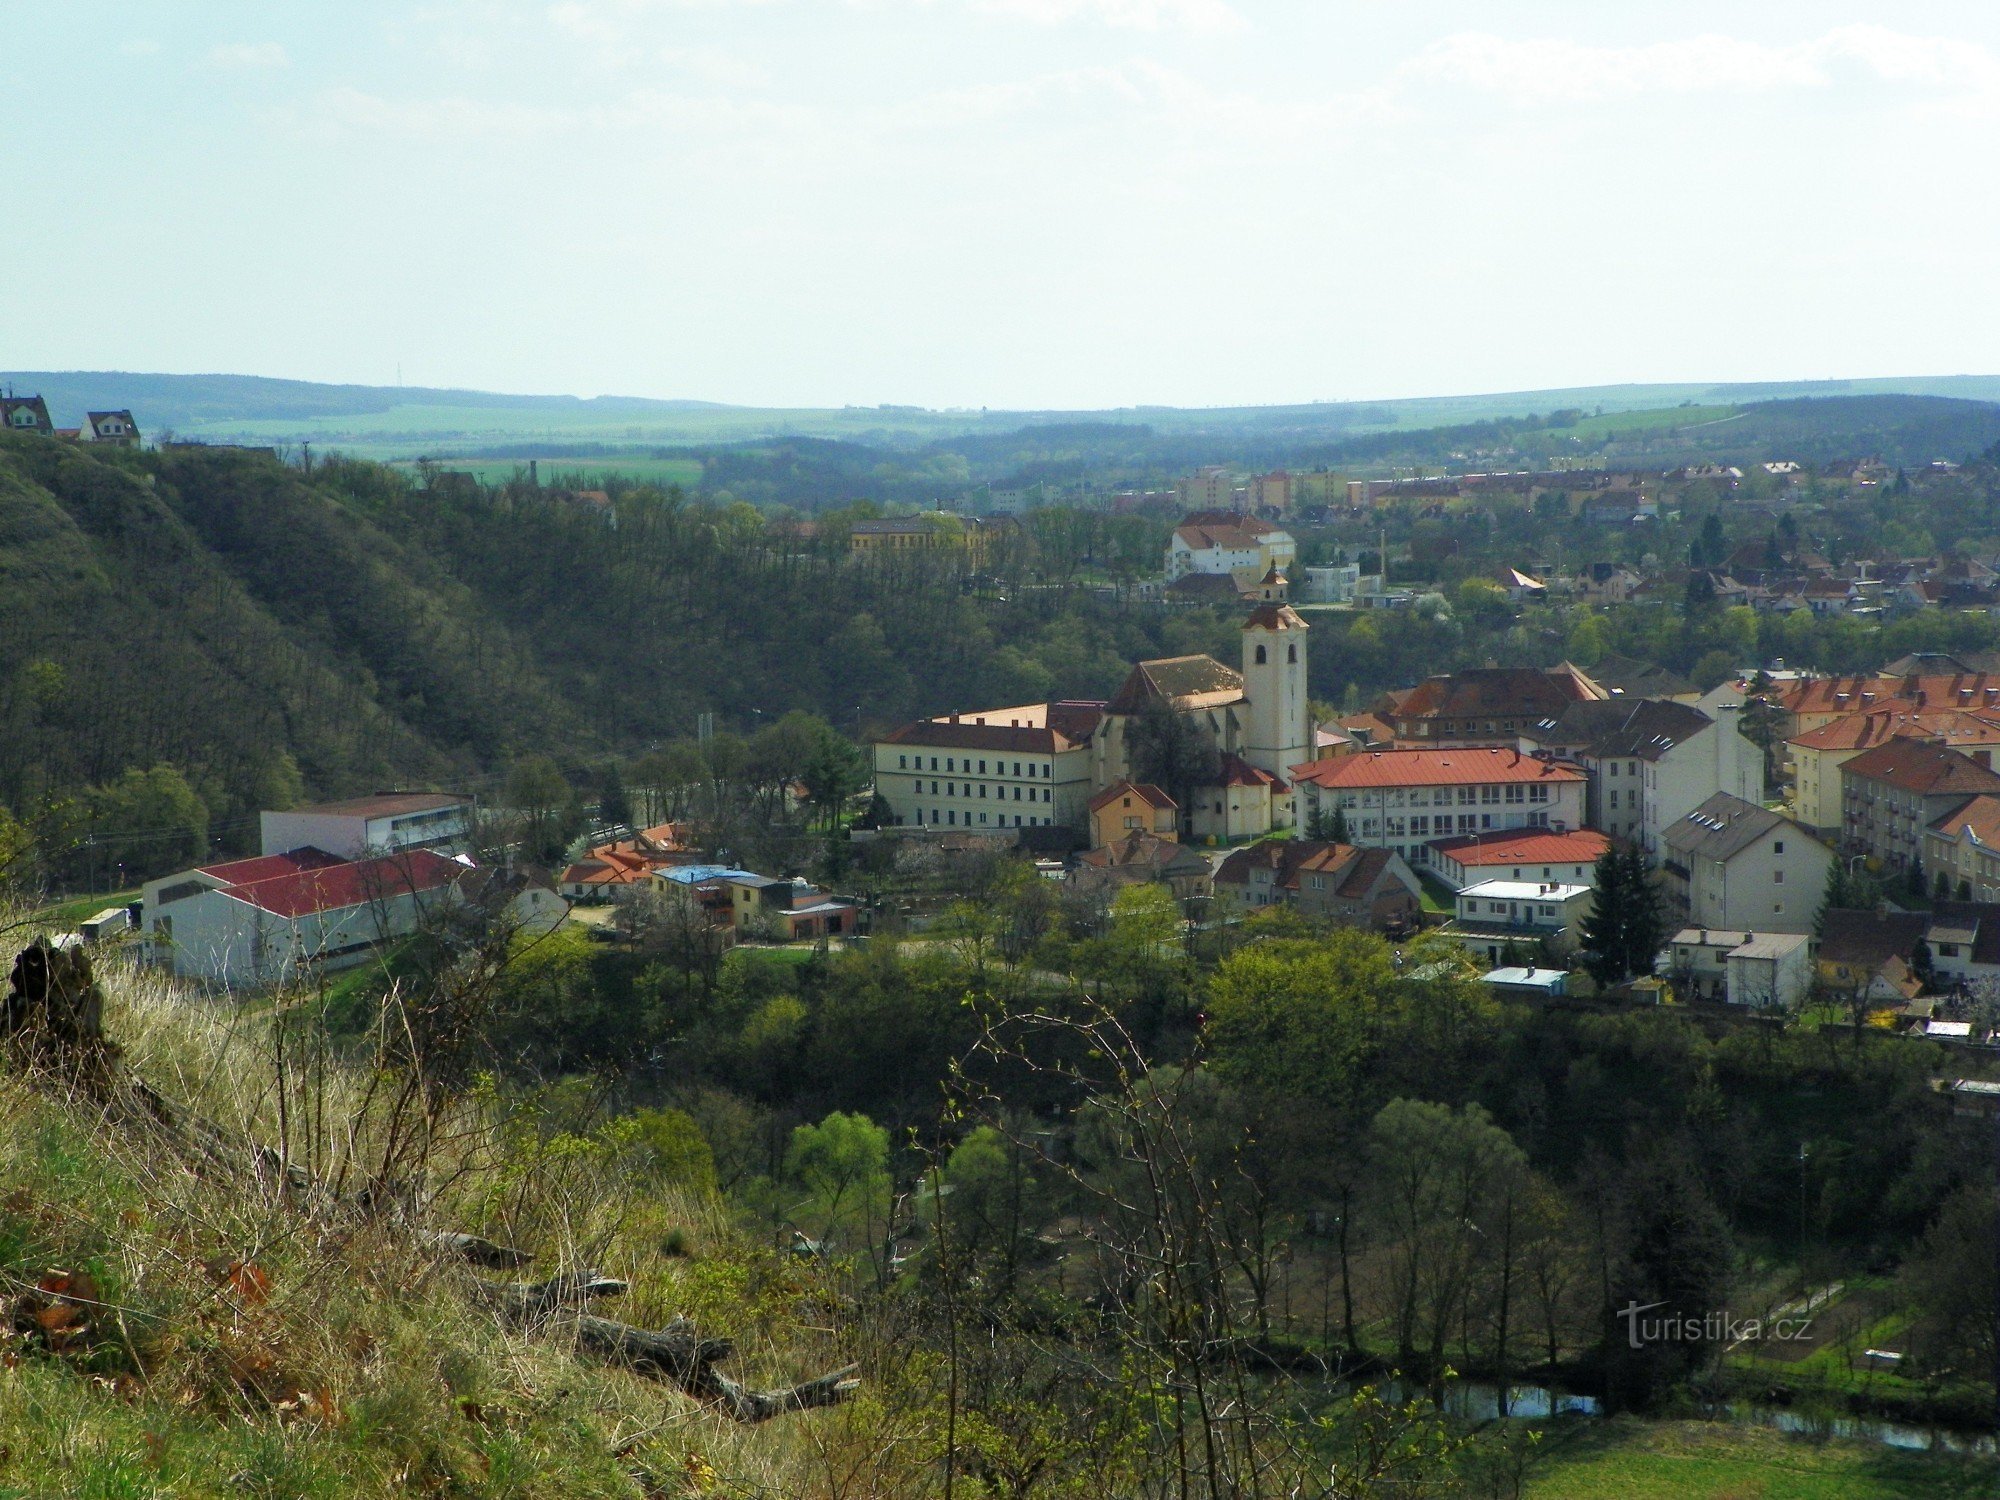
x,y
982,768
1778,847
1614,798
951,789
982,792
1017,793
1260,656
1292,653
1778,877
982,817
933,762
951,765
1045,797
902,762
950,816
1017,768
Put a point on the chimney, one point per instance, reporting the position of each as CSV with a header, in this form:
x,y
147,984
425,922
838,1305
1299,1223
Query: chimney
x,y
1984,757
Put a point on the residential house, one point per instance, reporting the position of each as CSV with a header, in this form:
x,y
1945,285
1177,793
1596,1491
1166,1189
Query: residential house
x,y
1964,847
25,414
1402,799
378,824
1521,588
1818,754
1339,882
1892,794
1336,584
1871,955
1143,858
1030,766
114,427
1495,915
1228,542
1125,808
791,911
282,917
1649,762
611,869
1733,865
518,900
1484,705
1628,677
1518,854
1764,971
932,531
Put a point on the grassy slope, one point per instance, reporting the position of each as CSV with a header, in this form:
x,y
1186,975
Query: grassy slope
x,y
1629,1460
361,1370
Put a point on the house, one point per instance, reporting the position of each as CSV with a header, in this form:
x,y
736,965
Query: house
x,y
1628,677
281,918
1892,794
382,823
1870,955
1734,865
114,427
933,531
1337,584
1649,762
1339,882
519,900
1964,847
1518,854
1228,542
792,910
1402,799
1496,915
1143,858
608,869
1521,588
1125,807
1030,765
1517,982
1484,705
1818,755
1765,971
25,414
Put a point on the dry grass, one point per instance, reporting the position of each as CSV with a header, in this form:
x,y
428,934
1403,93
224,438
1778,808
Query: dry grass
x,y
211,1339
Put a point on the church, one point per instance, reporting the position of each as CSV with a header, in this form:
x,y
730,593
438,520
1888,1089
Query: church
x,y
1039,764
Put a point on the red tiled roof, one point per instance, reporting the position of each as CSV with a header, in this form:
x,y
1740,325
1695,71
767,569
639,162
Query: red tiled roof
x,y
265,866
1145,791
350,883
1819,695
1525,846
1236,771
1459,766
1927,769
1859,731
1980,817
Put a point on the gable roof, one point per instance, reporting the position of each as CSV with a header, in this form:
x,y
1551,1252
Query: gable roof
x,y
1145,791
1226,530
1976,822
1525,846
1509,691
1234,770
265,866
1275,617
1180,681
1870,939
1640,728
349,883
1030,729
33,405
1725,825
1862,730
1629,677
1923,768
1458,766
1354,871
1140,850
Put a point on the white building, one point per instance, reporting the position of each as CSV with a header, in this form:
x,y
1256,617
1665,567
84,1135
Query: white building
x,y
1767,970
275,919
362,826
1229,542
1022,767
1651,762
1403,799
1329,585
1496,913
1735,866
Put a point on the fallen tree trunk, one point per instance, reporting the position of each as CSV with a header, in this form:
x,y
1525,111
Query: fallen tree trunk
x,y
52,1027
676,1354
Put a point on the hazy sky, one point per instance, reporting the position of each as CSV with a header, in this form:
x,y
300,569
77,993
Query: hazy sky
x,y
1002,202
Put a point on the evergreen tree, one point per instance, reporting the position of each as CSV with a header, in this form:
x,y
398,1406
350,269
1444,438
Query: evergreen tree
x,y
1625,927
1337,829
614,805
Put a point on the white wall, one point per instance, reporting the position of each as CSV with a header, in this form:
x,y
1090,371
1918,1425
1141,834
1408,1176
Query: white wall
x,y
1747,893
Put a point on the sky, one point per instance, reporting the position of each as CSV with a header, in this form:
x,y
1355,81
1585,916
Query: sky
x,y
1004,203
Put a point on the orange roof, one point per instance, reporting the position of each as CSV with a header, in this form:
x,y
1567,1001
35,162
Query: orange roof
x,y
1979,819
1236,771
1920,767
1854,694
1858,731
1454,767
1145,791
1525,846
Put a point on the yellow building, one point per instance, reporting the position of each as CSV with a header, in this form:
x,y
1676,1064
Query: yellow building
x,y
1817,754
931,531
1126,807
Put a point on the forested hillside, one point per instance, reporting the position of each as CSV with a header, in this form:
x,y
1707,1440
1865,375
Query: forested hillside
x,y
255,626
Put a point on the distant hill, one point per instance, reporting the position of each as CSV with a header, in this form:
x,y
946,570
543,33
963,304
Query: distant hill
x,y
396,421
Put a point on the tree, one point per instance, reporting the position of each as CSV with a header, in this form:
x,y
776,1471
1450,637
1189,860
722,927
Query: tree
x,y
1950,1284
1624,929
1173,752
843,1164
145,823
539,794
614,806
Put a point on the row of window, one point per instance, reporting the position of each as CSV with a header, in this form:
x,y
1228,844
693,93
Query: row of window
x,y
951,764
1427,825
948,817
1465,796
953,789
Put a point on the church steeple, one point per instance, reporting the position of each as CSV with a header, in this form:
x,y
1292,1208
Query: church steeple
x,y
1277,734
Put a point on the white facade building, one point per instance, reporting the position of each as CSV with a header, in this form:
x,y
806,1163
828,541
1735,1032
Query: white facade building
x,y
1403,799
1022,767
362,826
1732,865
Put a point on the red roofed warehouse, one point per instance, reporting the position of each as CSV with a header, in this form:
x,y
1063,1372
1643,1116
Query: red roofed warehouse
x,y
1402,799
256,922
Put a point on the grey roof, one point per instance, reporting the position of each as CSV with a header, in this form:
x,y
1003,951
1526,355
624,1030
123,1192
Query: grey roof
x,y
1725,825
1642,728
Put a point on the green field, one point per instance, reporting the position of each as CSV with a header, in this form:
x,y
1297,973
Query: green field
x,y
66,913
583,473
1621,1459
1613,424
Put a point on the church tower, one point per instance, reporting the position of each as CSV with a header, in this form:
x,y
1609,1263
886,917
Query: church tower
x,y
1277,734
